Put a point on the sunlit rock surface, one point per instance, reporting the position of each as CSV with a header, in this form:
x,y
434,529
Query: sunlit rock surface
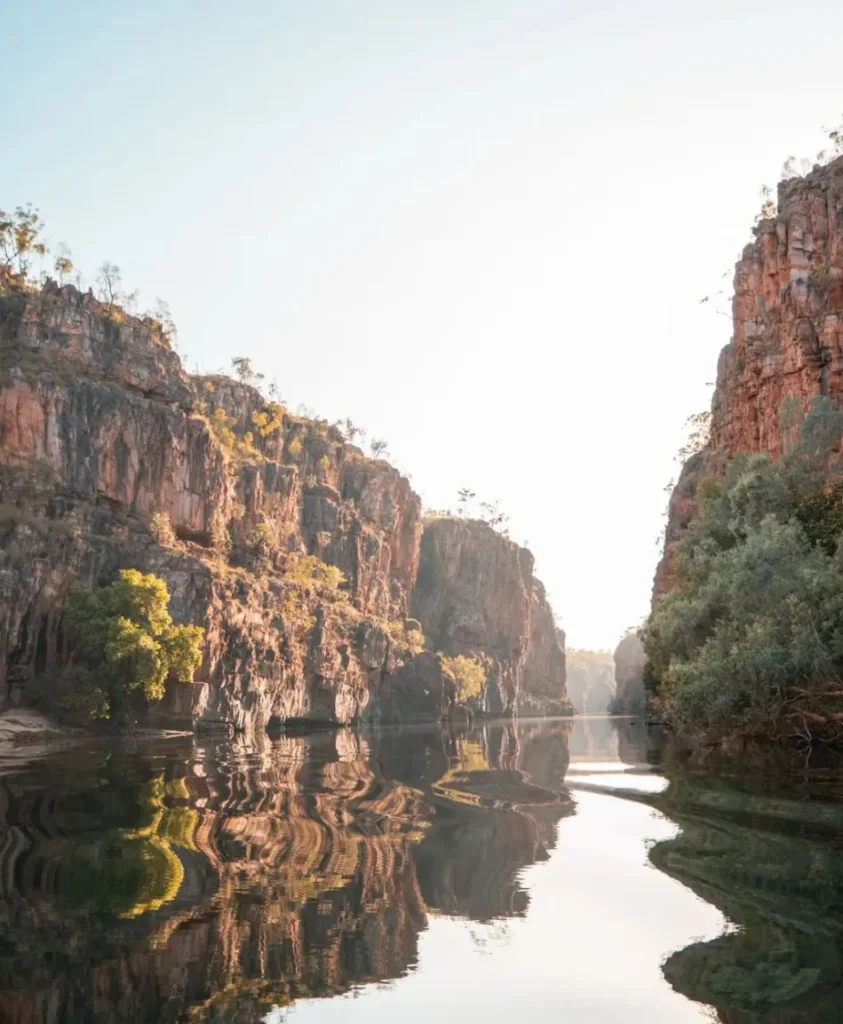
x,y
104,437
787,338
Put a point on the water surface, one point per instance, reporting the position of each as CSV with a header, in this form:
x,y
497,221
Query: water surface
x,y
534,872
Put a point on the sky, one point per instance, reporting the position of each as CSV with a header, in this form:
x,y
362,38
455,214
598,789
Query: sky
x,y
480,228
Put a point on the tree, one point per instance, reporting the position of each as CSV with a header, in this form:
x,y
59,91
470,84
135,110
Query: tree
x,y
109,283
63,264
698,430
350,429
793,168
245,372
161,313
464,496
492,514
832,152
20,239
768,206
468,675
378,447
123,644
752,638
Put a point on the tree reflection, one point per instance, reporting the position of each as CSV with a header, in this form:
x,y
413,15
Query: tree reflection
x,y
774,867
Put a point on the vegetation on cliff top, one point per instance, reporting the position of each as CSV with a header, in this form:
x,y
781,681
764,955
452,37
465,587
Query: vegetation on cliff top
x,y
122,644
752,639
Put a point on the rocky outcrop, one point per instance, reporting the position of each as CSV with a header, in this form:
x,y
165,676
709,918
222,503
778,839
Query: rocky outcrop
x,y
630,660
787,340
476,594
112,457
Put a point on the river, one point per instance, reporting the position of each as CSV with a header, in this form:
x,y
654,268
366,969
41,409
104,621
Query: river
x,y
539,871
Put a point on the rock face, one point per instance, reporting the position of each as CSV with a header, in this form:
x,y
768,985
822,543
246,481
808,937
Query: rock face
x,y
787,341
112,457
591,682
630,660
476,594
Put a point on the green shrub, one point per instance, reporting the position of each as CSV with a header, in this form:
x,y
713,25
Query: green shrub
x,y
161,529
313,575
414,639
406,636
122,641
269,420
221,426
752,639
467,674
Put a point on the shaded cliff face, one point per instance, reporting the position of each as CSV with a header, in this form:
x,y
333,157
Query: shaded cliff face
x,y
209,883
787,340
630,660
102,434
476,594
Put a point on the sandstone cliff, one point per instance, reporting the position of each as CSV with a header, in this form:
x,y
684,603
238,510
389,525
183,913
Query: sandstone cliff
x,y
476,595
630,660
787,341
111,457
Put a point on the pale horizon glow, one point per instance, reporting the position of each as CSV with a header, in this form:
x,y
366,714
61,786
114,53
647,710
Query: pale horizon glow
x,y
480,229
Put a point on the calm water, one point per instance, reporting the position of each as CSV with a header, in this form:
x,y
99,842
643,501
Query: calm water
x,y
542,872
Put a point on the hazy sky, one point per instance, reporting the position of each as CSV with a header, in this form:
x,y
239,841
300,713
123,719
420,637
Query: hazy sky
x,y
479,227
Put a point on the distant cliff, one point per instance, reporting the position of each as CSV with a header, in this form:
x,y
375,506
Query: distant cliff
x,y
476,594
111,457
630,659
787,340
591,682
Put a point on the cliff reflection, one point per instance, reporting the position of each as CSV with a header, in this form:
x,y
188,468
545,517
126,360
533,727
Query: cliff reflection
x,y
773,864
194,882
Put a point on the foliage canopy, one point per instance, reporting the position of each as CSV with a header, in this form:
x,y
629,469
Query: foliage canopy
x,y
468,675
122,642
752,639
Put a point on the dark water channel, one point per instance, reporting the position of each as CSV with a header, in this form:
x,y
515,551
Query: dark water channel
x,y
538,872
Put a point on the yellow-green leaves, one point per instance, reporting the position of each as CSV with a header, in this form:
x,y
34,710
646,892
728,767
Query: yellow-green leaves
x,y
123,636
467,674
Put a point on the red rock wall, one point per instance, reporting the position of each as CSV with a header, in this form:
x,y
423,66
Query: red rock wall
x,y
100,429
102,434
787,340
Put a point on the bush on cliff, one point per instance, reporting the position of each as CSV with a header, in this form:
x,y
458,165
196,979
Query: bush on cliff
x,y
122,644
752,639
468,676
